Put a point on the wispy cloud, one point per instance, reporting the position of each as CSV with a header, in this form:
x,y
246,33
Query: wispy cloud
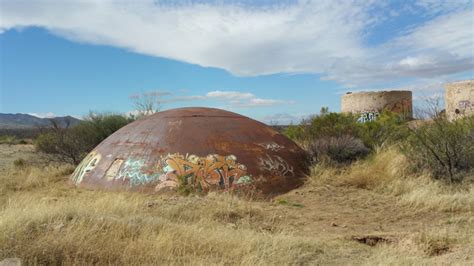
x,y
325,37
231,99
283,119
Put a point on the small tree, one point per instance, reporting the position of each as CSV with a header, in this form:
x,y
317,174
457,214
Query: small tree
x,y
148,103
444,148
71,144
60,142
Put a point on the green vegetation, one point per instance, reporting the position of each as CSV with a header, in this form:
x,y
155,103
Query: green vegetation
x,y
341,138
445,149
6,139
72,144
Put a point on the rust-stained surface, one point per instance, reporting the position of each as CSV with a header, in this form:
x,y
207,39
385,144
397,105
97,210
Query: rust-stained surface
x,y
204,148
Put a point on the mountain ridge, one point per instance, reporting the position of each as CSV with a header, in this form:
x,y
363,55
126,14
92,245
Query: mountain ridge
x,y
27,121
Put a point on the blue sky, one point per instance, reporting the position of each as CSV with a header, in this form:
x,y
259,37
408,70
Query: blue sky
x,y
273,61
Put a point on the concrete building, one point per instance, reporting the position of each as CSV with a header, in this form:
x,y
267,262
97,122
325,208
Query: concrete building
x,y
459,99
370,104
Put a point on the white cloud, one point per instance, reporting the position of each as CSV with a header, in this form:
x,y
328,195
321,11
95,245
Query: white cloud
x,y
230,95
326,37
283,119
232,99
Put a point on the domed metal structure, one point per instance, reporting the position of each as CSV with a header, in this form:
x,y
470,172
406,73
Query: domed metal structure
x,y
202,148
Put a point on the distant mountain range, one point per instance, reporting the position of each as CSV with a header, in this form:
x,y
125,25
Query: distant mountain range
x,y
25,121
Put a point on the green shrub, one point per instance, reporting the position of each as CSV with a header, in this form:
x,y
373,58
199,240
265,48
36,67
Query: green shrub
x,y
7,139
64,144
389,127
444,148
72,144
19,163
341,138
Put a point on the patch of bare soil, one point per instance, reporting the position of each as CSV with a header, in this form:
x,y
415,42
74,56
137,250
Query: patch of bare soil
x,y
339,212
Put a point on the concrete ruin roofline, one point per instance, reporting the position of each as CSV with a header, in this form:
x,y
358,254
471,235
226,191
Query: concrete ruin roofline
x,y
460,82
377,92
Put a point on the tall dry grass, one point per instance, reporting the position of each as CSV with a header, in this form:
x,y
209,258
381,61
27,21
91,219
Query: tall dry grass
x,y
388,171
44,221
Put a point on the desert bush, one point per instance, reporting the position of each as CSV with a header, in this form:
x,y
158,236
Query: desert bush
x,y
7,139
72,144
444,148
341,138
19,163
387,129
341,149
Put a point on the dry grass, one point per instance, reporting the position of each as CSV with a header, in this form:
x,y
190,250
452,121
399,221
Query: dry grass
x,y
388,172
131,229
43,220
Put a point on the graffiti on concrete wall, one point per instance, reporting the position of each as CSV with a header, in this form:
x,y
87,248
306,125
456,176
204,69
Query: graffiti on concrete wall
x,y
466,104
89,163
276,165
368,116
271,146
204,173
464,107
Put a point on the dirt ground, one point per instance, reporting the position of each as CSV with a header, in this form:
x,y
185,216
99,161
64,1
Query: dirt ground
x,y
370,227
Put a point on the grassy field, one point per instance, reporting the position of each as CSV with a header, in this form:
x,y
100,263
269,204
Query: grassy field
x,y
372,212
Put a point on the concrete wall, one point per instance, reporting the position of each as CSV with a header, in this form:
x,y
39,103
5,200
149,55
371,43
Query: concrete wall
x,y
459,99
369,104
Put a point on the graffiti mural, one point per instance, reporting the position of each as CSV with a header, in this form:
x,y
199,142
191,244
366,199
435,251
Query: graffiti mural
x,y
271,146
89,163
276,165
134,170
368,116
466,104
204,173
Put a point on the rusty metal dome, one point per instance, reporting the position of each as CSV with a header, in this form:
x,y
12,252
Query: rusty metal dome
x,y
202,148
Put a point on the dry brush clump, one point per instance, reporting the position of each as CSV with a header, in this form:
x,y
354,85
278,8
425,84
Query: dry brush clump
x,y
339,138
389,171
439,246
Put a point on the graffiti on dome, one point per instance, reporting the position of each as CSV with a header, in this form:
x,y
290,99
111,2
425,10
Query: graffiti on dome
x,y
202,173
276,165
89,163
271,146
